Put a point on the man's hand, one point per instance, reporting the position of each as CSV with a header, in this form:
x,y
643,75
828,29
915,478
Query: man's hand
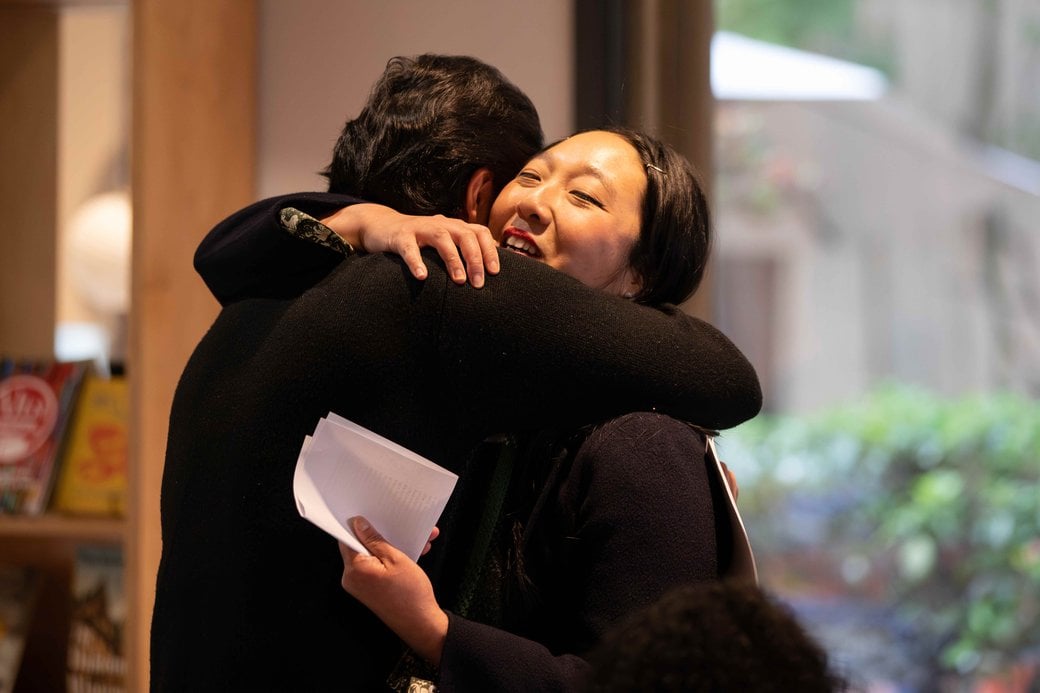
x,y
381,229
396,589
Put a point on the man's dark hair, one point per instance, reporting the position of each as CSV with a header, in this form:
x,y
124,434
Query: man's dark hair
x,y
429,124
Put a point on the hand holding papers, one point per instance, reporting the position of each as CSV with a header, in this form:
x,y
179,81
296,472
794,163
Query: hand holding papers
x,y
346,470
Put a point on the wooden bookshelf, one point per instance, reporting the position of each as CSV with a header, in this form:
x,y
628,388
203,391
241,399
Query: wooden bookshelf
x,y
49,544
49,526
192,163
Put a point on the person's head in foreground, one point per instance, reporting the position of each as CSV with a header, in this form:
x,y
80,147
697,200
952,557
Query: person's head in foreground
x,y
716,637
616,209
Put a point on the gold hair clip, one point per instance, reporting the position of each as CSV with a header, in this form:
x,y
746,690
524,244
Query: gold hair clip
x,y
659,170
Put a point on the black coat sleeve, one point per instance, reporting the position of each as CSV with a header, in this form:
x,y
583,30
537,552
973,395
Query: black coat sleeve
x,y
249,254
610,355
478,657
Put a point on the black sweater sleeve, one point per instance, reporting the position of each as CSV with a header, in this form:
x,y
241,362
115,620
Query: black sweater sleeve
x,y
533,321
249,254
478,657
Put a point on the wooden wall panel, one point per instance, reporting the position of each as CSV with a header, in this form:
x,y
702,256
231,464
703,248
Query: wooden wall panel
x,y
28,179
192,156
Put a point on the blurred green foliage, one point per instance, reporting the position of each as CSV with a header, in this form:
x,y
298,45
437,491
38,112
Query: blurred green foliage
x,y
928,504
821,26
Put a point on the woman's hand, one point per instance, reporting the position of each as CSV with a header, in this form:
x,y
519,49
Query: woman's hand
x,y
436,532
731,480
381,229
397,590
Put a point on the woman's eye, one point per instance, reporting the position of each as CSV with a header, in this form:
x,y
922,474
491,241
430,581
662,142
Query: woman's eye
x,y
528,176
585,197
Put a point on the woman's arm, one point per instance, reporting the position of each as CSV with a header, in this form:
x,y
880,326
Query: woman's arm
x,y
633,518
473,656
466,249
396,589
252,254
544,334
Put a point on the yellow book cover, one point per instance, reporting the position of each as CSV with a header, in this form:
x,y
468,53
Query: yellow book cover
x,y
92,478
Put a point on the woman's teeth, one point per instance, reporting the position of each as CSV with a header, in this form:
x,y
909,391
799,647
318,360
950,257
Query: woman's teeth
x,y
519,244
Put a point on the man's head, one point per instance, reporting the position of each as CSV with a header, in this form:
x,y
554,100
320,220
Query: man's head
x,y
430,123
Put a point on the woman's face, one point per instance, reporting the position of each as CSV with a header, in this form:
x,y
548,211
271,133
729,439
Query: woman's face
x,y
577,207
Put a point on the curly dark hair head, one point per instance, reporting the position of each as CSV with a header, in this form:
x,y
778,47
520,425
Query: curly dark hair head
x,y
712,637
430,122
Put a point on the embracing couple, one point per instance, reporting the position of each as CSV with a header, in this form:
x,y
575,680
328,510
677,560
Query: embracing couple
x,y
520,330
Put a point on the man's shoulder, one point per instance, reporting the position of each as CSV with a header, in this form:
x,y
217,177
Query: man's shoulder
x,y
642,430
646,423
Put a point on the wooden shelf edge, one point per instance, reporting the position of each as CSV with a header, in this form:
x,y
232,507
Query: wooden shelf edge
x,y
63,527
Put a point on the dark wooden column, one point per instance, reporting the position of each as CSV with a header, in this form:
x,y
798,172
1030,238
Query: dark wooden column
x,y
647,65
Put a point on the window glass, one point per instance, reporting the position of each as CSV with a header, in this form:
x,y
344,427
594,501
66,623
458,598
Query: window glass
x,y
878,214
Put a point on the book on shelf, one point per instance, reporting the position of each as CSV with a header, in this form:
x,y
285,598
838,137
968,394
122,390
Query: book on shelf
x,y
345,470
36,398
18,590
91,478
96,659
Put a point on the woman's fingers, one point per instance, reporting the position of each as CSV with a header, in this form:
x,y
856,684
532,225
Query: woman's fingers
x,y
360,571
488,248
372,539
467,250
396,589
444,240
479,250
429,542
731,479
407,247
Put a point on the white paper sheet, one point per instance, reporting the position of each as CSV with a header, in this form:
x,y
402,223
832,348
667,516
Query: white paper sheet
x,y
346,470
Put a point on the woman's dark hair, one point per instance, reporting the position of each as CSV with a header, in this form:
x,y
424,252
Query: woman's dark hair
x,y
671,253
430,122
720,636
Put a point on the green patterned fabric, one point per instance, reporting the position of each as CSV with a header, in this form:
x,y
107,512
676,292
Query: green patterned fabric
x,y
306,227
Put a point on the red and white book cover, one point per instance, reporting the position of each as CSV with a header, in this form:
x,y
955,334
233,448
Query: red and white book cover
x,y
35,402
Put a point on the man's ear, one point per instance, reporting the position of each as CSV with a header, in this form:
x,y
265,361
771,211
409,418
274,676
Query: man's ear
x,y
480,193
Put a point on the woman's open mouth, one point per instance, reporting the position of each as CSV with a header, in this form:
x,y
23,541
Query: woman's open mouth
x,y
519,241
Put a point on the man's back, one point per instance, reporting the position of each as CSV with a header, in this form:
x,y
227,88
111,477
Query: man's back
x,y
248,593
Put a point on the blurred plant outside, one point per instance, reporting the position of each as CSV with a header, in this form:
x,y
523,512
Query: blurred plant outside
x,y
927,505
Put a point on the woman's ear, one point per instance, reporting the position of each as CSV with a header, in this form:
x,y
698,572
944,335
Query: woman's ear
x,y
480,193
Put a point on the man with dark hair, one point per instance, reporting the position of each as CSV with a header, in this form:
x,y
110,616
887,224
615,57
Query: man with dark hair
x,y
248,594
440,134
414,145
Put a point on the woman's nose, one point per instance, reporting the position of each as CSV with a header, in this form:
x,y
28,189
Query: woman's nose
x,y
532,208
